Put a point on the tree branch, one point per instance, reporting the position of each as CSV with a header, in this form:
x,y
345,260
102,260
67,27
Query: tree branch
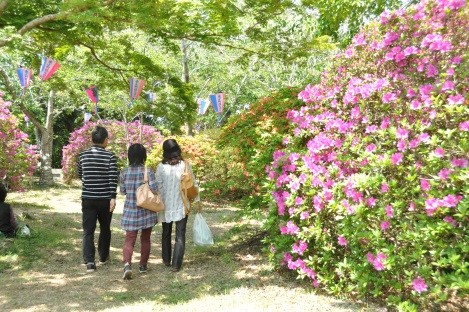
x,y
93,53
3,5
44,19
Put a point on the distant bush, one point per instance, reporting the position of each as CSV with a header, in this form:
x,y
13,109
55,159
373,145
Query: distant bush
x,y
199,150
248,140
120,139
371,188
18,156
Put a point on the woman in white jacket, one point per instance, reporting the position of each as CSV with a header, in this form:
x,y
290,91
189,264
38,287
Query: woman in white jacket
x,y
168,178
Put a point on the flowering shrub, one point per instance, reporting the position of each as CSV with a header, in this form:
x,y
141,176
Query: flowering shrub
x,y
371,187
18,157
199,150
80,140
248,140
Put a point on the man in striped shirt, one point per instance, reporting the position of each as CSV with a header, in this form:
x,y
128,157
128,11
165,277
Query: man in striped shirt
x,y
97,169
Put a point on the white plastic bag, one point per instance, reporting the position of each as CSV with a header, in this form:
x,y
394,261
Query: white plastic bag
x,y
202,234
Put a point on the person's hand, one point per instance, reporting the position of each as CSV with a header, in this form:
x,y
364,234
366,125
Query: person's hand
x,y
198,206
112,204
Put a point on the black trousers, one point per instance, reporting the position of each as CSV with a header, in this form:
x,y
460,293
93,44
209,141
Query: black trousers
x,y
96,210
179,244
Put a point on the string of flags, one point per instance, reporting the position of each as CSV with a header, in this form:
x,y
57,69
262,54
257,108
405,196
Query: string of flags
x,y
217,100
49,66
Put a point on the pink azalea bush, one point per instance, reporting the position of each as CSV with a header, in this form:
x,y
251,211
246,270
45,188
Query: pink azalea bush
x,y
119,140
374,176
18,156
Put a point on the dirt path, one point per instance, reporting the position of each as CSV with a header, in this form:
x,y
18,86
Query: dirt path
x,y
222,277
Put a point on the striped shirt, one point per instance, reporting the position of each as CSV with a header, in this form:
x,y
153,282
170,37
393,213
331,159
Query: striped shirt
x,y
97,169
135,218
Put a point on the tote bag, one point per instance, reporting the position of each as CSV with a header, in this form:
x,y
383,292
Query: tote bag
x,y
145,197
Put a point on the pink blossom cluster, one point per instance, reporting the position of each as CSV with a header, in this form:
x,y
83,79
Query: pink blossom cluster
x,y
377,261
18,157
121,135
381,141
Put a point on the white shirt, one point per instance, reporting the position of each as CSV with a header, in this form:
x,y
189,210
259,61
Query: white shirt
x,y
168,182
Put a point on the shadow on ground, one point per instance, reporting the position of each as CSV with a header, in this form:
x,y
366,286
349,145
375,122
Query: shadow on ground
x,y
45,272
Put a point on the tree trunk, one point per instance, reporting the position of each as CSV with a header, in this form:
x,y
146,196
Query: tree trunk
x,y
185,77
47,136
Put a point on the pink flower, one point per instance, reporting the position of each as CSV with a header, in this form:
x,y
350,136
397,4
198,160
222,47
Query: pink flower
x,y
451,200
451,221
425,185
402,133
431,70
342,241
443,174
401,145
464,126
389,211
376,261
459,162
415,104
455,99
439,152
389,97
385,225
371,148
300,247
412,206
448,85
419,285
371,202
384,188
396,158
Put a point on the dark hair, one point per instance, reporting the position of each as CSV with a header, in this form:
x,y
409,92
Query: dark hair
x,y
137,155
3,192
171,152
99,135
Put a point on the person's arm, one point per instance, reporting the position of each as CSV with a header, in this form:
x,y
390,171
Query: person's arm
x,y
80,167
13,222
152,180
122,188
113,177
159,179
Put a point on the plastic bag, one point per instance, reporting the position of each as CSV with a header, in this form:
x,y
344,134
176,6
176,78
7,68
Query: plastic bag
x,y
23,230
202,234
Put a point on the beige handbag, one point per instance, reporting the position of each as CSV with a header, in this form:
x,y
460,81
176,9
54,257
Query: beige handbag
x,y
145,197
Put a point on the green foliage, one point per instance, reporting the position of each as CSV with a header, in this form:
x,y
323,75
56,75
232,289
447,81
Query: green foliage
x,y
248,141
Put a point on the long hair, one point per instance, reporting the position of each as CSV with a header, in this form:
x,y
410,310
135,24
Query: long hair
x,y
137,155
171,152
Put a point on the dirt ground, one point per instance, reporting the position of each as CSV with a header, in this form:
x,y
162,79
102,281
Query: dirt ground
x,y
217,278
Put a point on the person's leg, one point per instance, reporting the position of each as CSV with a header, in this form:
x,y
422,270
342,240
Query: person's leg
x,y
180,244
145,246
129,243
89,217
104,218
166,243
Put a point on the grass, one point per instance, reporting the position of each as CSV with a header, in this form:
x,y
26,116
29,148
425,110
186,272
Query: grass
x,y
45,272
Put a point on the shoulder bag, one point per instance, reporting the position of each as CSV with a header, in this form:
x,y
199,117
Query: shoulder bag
x,y
145,197
188,190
